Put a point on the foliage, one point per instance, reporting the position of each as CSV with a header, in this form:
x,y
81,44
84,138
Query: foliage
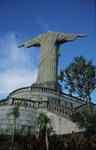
x,y
90,125
56,142
86,121
77,117
15,113
42,120
75,142
79,78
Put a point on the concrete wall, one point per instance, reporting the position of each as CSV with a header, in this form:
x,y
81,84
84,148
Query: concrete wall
x,y
60,124
36,100
28,117
26,120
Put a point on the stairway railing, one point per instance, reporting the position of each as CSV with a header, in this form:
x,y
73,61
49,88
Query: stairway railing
x,y
51,105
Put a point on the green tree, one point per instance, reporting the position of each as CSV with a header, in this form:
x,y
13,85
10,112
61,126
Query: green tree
x,y
90,125
43,122
79,78
15,113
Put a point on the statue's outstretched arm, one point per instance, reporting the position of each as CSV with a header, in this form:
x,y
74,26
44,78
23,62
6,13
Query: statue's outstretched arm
x,y
21,45
33,42
63,37
82,35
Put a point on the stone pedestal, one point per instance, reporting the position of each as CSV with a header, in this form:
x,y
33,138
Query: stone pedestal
x,y
51,85
57,105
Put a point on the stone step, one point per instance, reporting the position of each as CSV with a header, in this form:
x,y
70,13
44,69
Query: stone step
x,y
60,114
60,107
62,110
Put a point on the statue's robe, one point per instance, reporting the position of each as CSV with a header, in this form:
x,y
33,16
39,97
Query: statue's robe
x,y
49,53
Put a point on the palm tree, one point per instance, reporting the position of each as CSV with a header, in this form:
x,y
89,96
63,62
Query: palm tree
x,y
15,113
44,121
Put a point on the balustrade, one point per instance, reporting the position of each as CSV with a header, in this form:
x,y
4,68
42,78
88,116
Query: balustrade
x,y
53,105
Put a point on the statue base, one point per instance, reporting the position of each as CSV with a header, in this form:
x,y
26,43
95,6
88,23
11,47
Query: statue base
x,y
51,85
57,105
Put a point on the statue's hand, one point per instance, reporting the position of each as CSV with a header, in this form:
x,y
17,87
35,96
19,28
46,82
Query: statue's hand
x,y
82,35
21,45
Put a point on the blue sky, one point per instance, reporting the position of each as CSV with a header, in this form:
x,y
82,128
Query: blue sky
x,y
22,20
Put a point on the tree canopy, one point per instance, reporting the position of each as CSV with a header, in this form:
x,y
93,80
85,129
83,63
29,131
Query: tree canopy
x,y
79,78
43,120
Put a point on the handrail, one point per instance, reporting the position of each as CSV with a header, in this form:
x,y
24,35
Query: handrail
x,y
81,106
53,106
44,89
18,90
3,101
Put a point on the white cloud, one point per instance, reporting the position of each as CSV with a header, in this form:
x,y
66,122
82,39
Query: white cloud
x,y
11,80
10,53
15,66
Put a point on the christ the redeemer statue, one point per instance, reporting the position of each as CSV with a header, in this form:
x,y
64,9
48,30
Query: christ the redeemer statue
x,y
49,53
